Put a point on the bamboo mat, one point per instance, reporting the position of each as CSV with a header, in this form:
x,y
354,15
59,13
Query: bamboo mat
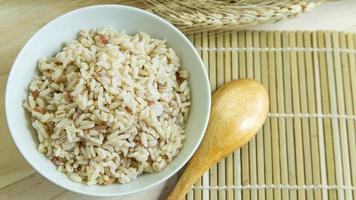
x,y
307,147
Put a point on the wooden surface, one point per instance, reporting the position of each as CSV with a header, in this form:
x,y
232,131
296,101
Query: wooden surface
x,y
292,149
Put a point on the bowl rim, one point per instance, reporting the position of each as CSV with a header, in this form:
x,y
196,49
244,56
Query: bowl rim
x,y
84,192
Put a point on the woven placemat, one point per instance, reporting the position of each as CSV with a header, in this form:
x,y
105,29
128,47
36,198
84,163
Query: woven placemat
x,y
307,147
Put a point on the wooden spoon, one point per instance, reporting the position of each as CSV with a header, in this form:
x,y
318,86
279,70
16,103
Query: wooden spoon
x,y
239,109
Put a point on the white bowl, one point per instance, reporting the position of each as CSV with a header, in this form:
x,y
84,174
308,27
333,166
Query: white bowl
x,y
49,39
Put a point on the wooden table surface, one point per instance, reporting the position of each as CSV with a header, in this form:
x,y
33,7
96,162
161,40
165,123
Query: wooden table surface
x,y
19,20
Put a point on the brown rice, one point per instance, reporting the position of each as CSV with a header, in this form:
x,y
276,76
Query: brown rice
x,y
110,106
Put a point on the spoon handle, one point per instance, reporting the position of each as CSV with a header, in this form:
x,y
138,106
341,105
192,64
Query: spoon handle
x,y
202,160
195,168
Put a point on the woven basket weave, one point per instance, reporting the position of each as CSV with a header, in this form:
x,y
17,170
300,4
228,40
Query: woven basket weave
x,y
217,15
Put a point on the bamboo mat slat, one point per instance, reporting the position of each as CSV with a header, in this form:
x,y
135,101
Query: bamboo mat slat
x,y
307,147
259,137
252,144
350,105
